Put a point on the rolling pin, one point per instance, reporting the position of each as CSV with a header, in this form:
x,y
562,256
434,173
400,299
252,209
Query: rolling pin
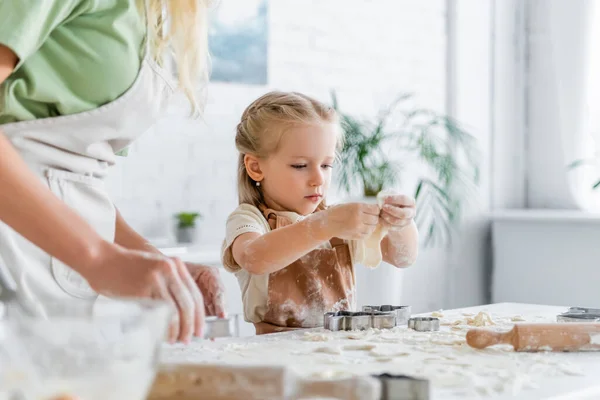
x,y
540,337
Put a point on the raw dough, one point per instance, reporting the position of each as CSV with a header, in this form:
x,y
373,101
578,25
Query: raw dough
x,y
316,337
328,350
360,347
371,246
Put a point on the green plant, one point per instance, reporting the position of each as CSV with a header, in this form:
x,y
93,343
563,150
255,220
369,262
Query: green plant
x,y
447,154
187,219
594,161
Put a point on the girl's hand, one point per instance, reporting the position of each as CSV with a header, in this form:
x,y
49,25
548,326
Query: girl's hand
x,y
398,211
351,221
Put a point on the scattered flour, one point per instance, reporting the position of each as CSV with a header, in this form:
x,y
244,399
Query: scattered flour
x,y
454,369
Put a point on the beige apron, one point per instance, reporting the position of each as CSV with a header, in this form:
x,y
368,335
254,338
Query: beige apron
x,y
298,295
71,155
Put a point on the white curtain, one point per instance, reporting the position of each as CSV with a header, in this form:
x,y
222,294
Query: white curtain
x,y
561,44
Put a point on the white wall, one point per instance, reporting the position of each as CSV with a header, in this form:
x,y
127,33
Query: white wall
x,y
369,52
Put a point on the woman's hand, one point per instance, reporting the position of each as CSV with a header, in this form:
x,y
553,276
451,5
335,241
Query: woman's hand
x,y
120,272
208,280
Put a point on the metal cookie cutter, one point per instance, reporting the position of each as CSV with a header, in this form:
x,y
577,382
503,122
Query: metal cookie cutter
x,y
358,321
580,314
424,324
402,312
402,387
220,327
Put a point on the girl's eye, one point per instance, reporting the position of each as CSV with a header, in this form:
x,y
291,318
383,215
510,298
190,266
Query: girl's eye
x,y
327,166
299,166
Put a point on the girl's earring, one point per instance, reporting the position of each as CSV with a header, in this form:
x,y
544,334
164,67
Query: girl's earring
x,y
257,183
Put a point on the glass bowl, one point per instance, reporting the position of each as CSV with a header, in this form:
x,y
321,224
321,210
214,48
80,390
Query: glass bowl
x,y
85,350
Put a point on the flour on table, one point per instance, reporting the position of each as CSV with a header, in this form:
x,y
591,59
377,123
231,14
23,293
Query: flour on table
x,y
453,368
570,369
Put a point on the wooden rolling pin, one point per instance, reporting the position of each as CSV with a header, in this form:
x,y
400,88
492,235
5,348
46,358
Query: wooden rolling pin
x,y
540,337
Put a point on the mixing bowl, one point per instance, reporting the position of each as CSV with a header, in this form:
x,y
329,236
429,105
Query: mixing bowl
x,y
88,350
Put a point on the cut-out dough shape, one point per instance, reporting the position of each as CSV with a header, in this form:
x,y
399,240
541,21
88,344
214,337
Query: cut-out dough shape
x,y
328,350
360,347
371,246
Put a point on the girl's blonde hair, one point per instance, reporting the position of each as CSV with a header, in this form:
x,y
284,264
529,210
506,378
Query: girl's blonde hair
x,y
182,26
263,124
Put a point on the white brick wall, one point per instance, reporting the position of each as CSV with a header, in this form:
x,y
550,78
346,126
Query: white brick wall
x,y
368,51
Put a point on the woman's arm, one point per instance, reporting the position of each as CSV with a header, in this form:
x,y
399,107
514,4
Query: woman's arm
x,y
32,210
23,199
8,62
127,237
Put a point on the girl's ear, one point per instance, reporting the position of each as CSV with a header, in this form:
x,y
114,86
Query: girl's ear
x,y
253,168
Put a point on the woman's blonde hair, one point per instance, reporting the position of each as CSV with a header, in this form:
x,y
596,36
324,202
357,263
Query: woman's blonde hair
x,y
263,124
181,26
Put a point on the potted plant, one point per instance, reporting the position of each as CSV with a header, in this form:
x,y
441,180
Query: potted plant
x,y
447,155
186,226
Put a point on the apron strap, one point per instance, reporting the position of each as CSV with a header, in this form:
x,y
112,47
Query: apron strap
x,y
336,242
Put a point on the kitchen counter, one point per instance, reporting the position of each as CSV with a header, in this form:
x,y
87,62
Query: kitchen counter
x,y
455,370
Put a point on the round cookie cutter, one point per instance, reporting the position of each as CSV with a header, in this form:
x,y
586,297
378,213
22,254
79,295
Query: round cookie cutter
x,y
424,324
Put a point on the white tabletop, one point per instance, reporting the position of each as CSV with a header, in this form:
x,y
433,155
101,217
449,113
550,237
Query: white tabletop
x,y
455,370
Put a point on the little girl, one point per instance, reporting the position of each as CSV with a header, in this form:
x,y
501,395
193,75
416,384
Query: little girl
x,y
293,256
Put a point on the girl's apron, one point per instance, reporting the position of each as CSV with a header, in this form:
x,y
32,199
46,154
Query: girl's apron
x,y
298,295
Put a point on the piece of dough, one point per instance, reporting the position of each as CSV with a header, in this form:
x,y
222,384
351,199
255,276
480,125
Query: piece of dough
x,y
371,246
328,350
360,347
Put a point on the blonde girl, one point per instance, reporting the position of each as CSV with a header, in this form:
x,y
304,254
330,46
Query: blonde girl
x,y
80,80
293,256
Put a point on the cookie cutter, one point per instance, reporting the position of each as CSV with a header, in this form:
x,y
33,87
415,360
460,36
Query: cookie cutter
x,y
220,327
358,320
579,314
403,387
402,312
424,324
